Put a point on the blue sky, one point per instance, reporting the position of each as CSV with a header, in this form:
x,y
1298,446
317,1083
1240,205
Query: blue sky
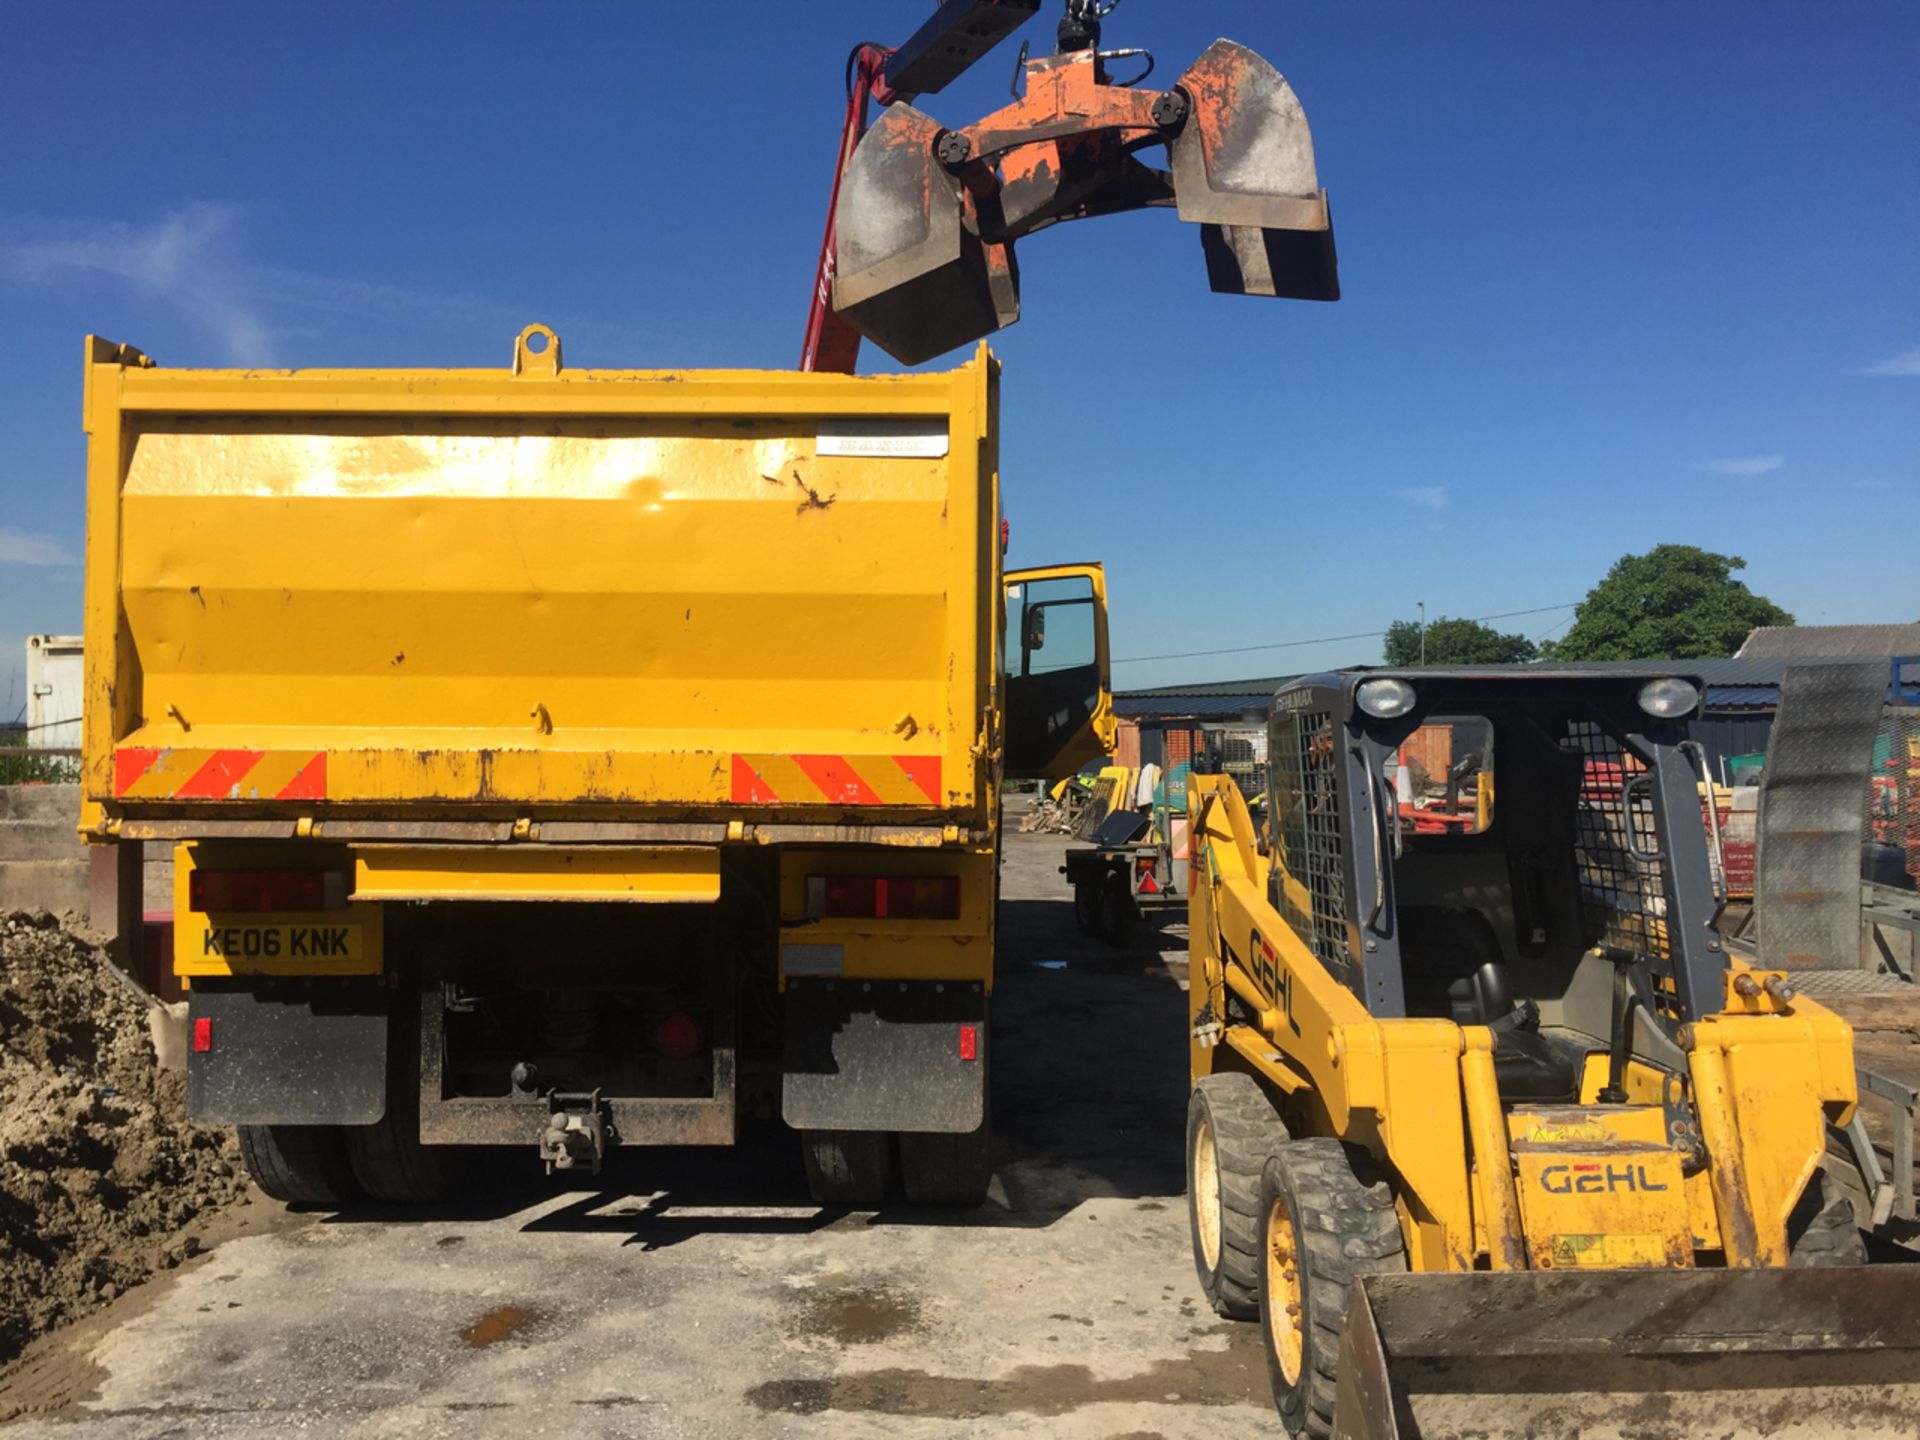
x,y
1615,274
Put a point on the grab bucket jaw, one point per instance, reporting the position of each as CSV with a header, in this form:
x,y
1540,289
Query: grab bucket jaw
x,y
912,274
1243,170
927,217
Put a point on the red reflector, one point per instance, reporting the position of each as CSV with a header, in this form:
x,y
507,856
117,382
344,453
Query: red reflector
x,y
1148,885
202,1035
213,891
678,1037
969,1042
884,897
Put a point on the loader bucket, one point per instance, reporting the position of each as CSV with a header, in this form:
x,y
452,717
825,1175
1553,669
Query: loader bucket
x,y
1636,1352
911,274
1243,170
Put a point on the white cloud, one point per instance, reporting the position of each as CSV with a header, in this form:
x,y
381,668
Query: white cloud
x,y
18,547
188,258
1743,465
1906,364
195,259
1427,497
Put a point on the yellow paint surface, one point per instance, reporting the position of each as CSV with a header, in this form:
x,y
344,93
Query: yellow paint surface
x,y
554,587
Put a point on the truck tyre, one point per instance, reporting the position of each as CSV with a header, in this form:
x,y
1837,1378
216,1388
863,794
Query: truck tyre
x,y
1086,905
388,1158
1232,1131
1822,1231
951,1170
845,1167
1323,1226
390,1162
1118,914
299,1164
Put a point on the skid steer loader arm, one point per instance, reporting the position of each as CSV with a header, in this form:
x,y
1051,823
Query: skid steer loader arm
x,y
927,217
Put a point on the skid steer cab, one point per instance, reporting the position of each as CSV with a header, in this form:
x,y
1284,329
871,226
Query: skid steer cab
x,y
1487,1130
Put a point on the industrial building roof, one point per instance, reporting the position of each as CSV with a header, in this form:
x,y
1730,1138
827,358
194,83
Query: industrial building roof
x,y
1803,641
1750,682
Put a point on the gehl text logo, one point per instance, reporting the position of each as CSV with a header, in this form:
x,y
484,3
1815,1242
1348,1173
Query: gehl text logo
x,y
1274,978
1596,1179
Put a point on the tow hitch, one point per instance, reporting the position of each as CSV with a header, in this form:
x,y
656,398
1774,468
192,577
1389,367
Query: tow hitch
x,y
576,1132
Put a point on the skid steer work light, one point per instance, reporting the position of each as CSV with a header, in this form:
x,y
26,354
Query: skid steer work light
x,y
1670,698
1385,699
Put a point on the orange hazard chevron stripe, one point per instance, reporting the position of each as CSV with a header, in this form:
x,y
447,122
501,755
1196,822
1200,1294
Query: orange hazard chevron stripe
x,y
148,773
836,779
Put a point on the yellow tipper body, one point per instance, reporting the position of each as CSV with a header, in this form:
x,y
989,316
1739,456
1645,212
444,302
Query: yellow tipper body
x,y
540,594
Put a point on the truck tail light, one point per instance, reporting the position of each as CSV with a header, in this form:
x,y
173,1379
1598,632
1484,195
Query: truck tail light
x,y
262,891
883,897
678,1036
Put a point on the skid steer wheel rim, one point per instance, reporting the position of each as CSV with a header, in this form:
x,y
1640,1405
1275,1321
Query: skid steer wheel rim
x,y
1283,1293
1206,1193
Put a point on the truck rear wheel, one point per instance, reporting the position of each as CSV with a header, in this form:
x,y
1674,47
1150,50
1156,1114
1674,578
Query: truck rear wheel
x,y
1118,914
388,1158
951,1170
1232,1131
1086,905
948,1170
391,1164
299,1164
1322,1227
845,1167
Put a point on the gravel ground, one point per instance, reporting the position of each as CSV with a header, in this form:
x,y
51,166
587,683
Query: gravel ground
x,y
698,1293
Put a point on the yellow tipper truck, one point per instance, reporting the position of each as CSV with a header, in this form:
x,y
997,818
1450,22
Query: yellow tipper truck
x,y
574,758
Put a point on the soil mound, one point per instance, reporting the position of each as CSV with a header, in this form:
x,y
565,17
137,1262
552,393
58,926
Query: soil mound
x,y
102,1181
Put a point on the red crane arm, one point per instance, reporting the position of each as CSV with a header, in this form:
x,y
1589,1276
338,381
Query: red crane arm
x,y
831,343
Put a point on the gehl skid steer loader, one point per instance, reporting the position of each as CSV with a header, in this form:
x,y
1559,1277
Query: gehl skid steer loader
x,y
1488,1130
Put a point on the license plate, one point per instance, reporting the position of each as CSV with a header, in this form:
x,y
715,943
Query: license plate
x,y
282,942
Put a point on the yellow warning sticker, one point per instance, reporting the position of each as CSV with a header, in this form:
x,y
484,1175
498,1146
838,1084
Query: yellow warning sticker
x,y
1609,1252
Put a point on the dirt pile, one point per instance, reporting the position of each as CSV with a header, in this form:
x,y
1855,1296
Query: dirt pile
x,y
102,1181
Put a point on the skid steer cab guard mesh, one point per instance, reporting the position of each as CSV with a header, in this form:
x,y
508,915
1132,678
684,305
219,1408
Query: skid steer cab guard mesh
x,y
1664,1352
1332,815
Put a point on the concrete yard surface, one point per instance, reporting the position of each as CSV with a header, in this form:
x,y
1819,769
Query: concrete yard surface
x,y
699,1293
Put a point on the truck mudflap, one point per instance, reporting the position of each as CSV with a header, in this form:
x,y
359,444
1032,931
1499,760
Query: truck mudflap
x,y
289,1052
885,1055
1657,1352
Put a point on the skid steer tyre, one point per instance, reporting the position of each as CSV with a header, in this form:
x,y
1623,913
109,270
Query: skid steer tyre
x,y
845,1167
299,1164
1232,1131
1322,1227
1822,1231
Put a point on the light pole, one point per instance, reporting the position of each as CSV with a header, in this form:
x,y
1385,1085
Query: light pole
x,y
1423,630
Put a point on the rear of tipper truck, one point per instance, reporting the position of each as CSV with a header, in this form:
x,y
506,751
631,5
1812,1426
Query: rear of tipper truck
x,y
567,759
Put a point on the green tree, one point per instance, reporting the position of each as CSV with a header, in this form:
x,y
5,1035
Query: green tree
x,y
1676,602
1455,642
